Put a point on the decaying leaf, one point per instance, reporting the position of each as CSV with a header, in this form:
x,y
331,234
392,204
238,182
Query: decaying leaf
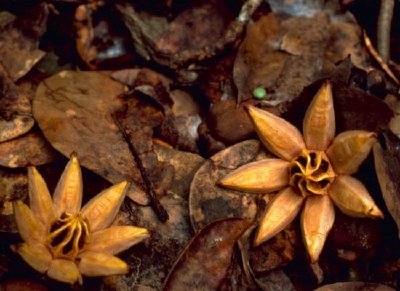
x,y
229,122
152,261
209,202
13,185
100,41
29,149
16,110
281,55
179,113
354,286
273,254
21,38
359,236
354,107
387,165
138,120
346,40
185,166
74,109
204,262
174,44
199,26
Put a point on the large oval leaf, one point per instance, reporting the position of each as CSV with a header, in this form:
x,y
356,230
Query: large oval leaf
x,y
74,109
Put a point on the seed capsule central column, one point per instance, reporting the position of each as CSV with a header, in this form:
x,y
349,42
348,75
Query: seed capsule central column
x,y
311,173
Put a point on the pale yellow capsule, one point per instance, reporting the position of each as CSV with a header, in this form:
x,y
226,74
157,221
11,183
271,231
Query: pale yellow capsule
x,y
352,198
349,149
316,221
29,227
280,212
115,239
64,271
278,135
68,193
36,255
319,121
100,211
263,176
100,264
39,197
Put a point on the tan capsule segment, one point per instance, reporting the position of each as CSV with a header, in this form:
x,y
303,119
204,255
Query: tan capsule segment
x,y
316,221
64,271
258,177
101,210
100,264
68,193
319,121
278,135
353,198
39,197
36,255
29,227
280,212
349,149
115,239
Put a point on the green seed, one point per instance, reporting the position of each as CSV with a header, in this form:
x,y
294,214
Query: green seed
x,y
259,93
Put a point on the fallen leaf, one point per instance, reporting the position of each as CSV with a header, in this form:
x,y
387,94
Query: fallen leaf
x,y
29,149
354,286
138,120
174,44
387,165
198,26
346,40
182,115
274,254
204,262
276,280
229,122
354,107
16,110
209,202
151,261
282,55
22,284
21,38
73,110
362,236
13,186
185,165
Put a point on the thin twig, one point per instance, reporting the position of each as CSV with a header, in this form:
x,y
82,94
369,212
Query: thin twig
x,y
160,211
384,25
378,58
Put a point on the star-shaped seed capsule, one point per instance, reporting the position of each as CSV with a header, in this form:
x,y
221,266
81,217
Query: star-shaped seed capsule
x,y
65,241
311,172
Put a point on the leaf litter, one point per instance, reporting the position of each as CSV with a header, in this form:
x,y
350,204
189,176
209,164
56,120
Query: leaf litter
x,y
170,116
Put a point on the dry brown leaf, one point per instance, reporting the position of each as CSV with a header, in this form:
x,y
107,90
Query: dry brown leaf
x,y
209,202
74,109
29,149
204,263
